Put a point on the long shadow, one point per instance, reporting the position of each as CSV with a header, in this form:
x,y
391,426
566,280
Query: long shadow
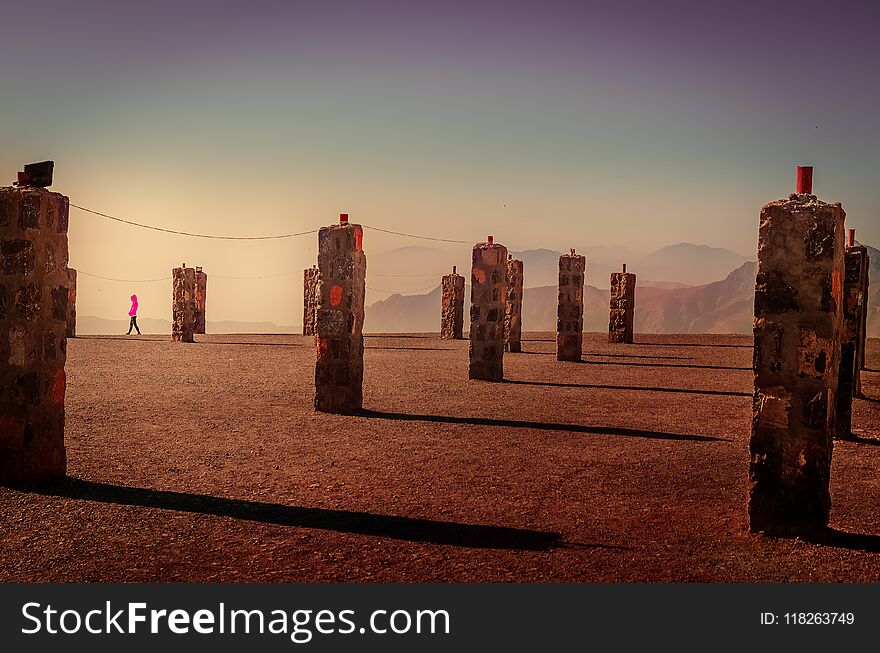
x,y
719,393
857,439
342,521
601,355
249,344
873,400
543,426
692,344
844,540
399,335
693,367
414,348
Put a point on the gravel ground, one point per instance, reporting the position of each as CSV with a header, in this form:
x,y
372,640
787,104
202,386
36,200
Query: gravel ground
x,y
206,462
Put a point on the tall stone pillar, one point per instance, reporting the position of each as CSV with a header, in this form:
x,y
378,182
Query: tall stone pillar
x,y
798,319
33,321
570,312
513,306
863,329
201,301
71,303
339,321
488,299
183,303
622,306
855,262
310,285
452,306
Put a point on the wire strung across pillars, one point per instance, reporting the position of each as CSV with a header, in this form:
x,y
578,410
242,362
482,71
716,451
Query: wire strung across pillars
x,y
270,237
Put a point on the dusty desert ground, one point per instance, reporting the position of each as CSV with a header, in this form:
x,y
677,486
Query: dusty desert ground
x,y
206,462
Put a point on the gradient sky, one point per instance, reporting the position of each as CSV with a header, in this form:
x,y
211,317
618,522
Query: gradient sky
x,y
548,124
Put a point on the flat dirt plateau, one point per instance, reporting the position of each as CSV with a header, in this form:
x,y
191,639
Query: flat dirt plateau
x,y
206,462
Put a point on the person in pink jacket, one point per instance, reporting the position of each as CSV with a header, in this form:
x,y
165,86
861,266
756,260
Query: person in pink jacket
x,y
133,312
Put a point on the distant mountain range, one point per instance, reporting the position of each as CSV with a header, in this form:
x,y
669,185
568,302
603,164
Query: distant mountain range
x,y
674,305
725,306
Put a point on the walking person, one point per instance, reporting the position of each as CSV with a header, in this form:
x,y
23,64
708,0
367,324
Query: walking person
x,y
133,312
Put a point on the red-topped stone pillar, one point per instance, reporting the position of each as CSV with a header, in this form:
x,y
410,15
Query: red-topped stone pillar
x,y
339,317
33,321
570,311
798,320
488,299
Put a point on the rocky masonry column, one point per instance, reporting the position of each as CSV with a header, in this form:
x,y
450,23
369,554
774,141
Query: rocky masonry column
x,y
863,327
33,321
798,318
310,284
488,299
452,306
339,318
855,266
71,303
201,301
622,306
513,306
183,303
570,312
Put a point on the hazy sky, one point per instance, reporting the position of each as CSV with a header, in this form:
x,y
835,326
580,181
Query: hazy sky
x,y
547,124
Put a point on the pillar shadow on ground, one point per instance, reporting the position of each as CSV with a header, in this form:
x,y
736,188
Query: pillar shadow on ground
x,y
413,348
692,344
543,426
856,439
844,540
590,386
342,521
682,365
601,355
131,338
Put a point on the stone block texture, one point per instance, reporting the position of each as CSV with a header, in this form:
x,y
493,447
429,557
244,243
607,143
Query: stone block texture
x,y
855,262
863,328
570,311
201,301
310,286
33,324
513,307
183,303
339,321
798,321
488,300
452,307
622,307
71,303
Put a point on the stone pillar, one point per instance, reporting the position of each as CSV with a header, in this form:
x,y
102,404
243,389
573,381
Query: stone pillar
x,y
452,306
570,313
855,262
863,328
513,306
622,306
33,322
339,318
201,301
798,319
71,303
488,299
310,284
183,303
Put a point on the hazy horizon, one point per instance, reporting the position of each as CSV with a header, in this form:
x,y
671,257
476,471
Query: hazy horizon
x,y
549,125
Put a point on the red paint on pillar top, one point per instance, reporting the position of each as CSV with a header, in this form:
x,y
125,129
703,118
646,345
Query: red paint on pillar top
x,y
804,180
850,237
343,218
490,239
